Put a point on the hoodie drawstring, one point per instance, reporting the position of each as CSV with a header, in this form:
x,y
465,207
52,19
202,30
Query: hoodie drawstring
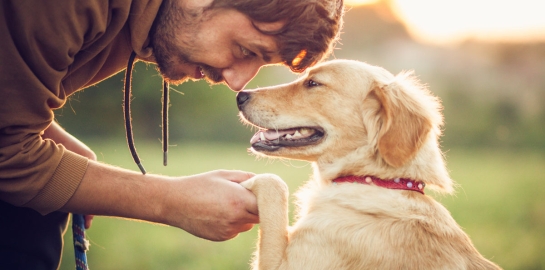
x,y
128,119
127,112
166,104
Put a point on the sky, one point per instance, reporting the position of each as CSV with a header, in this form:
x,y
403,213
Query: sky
x,y
452,21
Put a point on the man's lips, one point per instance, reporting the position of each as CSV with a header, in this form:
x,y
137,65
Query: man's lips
x,y
212,74
199,74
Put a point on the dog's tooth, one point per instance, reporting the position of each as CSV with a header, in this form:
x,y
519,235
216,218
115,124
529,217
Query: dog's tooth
x,y
304,131
262,136
297,134
288,136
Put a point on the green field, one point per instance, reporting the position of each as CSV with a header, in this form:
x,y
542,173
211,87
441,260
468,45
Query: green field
x,y
500,203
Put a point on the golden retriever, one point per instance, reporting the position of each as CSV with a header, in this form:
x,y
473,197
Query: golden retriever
x,y
372,138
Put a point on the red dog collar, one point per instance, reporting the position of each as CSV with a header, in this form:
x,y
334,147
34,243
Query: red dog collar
x,y
397,183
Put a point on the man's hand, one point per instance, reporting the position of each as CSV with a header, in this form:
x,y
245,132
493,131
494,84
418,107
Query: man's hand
x,y
57,134
216,207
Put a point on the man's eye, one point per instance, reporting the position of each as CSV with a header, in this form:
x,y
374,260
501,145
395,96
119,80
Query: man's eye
x,y
246,52
311,83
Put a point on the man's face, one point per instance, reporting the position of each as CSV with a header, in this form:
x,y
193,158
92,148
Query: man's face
x,y
220,45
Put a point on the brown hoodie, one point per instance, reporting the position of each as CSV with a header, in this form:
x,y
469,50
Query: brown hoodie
x,y
48,50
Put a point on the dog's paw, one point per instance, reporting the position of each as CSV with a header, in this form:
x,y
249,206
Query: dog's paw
x,y
265,181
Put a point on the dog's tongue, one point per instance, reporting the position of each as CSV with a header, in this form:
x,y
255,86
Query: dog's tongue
x,y
270,134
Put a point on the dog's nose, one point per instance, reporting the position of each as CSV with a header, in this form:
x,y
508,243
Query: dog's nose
x,y
242,98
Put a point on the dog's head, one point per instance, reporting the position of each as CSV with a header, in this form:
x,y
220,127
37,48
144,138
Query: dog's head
x,y
353,114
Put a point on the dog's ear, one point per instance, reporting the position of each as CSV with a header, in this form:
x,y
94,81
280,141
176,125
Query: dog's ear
x,y
405,124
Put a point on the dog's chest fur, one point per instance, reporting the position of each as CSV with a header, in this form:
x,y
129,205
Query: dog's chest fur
x,y
370,226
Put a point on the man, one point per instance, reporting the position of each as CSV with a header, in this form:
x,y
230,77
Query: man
x,y
50,49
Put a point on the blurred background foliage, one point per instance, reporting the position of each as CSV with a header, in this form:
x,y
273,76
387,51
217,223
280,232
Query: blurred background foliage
x,y
494,139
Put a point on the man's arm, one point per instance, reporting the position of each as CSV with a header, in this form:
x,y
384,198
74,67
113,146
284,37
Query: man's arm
x,y
211,205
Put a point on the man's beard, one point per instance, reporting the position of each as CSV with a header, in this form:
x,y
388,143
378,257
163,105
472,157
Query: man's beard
x,y
172,19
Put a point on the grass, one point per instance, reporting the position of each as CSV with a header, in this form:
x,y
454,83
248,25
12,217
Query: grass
x,y
500,203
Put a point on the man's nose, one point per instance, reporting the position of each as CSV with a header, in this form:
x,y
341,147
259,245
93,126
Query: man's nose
x,y
240,74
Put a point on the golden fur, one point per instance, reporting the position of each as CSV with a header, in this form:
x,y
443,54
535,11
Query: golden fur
x,y
376,124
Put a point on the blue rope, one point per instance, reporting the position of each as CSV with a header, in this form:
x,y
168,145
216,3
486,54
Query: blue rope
x,y
81,245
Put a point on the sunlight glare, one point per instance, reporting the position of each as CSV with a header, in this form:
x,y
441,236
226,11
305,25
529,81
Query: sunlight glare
x,y
447,21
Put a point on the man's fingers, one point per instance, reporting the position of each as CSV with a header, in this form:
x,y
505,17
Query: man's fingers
x,y
246,227
251,203
240,229
252,217
88,221
249,198
237,176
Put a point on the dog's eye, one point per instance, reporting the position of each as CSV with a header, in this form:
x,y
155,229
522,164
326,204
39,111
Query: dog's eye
x,y
311,83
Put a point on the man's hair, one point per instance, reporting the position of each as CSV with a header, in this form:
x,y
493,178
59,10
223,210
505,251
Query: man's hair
x,y
311,30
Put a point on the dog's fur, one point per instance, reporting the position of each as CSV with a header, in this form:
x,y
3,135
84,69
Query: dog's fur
x,y
375,124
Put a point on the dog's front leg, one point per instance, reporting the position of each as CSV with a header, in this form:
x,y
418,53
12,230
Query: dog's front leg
x,y
272,203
